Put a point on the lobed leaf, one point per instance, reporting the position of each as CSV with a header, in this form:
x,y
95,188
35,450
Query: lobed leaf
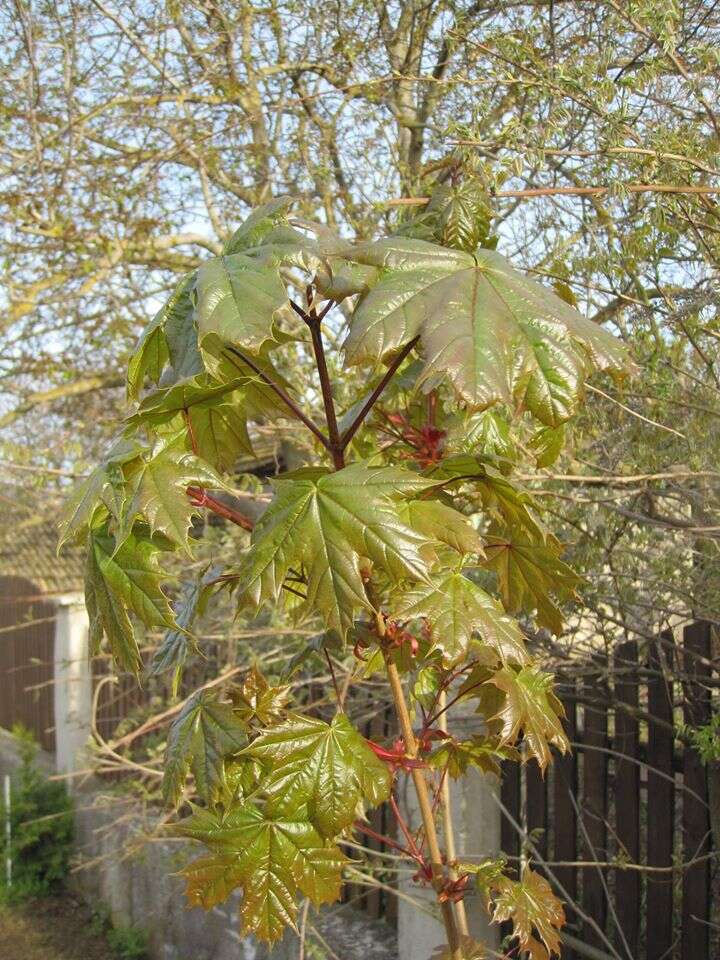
x,y
530,708
272,857
319,771
457,609
204,733
494,334
329,527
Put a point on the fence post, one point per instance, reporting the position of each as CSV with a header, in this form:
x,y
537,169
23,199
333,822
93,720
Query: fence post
x,y
627,791
72,682
661,798
594,794
695,941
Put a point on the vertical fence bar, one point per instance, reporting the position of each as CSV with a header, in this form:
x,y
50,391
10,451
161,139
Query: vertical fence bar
x,y
594,798
565,785
537,812
627,792
660,805
695,939
511,799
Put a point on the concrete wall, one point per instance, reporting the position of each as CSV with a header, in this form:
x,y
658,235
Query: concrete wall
x,y
135,880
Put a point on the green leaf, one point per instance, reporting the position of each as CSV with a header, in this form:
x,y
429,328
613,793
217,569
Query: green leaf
x,y
532,906
257,701
319,771
239,299
173,327
261,221
441,523
131,572
204,733
108,617
178,642
457,609
530,574
487,433
329,527
485,753
494,334
530,707
503,500
214,413
105,485
547,445
159,484
272,857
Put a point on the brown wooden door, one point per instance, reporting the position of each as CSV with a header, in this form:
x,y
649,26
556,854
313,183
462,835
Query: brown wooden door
x,y
27,632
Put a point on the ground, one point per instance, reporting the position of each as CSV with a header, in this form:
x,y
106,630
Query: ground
x,y
57,928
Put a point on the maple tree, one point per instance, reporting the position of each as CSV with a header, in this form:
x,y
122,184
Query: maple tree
x,y
395,536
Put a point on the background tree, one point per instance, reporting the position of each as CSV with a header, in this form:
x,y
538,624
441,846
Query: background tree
x,y
133,133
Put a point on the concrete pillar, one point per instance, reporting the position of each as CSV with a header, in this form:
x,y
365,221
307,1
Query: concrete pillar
x,y
476,817
73,683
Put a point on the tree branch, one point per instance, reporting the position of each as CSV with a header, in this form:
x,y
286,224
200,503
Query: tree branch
x,y
375,395
286,399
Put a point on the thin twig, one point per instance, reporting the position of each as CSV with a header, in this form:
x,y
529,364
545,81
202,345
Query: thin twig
x,y
375,395
286,399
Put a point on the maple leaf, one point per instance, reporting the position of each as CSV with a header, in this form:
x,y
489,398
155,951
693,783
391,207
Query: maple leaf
x,y
122,578
204,733
170,337
493,333
239,299
158,485
272,857
530,707
319,771
530,573
256,700
261,221
485,753
442,523
214,414
105,485
108,616
178,641
504,501
532,906
456,609
330,526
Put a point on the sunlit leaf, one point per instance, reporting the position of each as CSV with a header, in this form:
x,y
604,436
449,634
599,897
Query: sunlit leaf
x,y
493,333
319,771
204,733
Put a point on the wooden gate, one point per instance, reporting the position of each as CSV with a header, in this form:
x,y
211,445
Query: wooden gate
x,y
623,823
27,637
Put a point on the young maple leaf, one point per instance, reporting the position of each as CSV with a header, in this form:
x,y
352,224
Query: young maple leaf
x,y
256,700
456,609
531,905
532,708
492,333
330,525
319,771
271,856
204,733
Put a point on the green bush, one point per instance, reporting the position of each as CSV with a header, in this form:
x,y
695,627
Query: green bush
x,y
126,943
41,832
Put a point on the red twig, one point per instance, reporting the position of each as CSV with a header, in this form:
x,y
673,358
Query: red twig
x,y
201,498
